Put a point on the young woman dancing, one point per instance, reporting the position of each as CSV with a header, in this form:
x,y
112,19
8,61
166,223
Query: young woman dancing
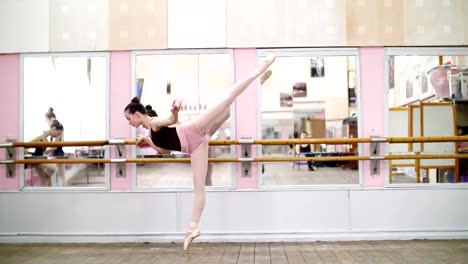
x,y
191,137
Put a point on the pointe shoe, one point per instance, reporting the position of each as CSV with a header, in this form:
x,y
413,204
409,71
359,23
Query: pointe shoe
x,y
265,76
190,237
264,64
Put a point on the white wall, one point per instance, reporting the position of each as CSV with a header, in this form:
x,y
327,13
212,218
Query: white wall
x,y
235,216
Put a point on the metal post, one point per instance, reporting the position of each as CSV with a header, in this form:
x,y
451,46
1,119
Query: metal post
x,y
10,155
120,157
246,156
375,157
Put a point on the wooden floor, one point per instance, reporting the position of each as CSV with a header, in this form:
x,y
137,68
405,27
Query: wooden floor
x,y
421,251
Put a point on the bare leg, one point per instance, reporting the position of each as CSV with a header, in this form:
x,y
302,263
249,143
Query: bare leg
x,y
206,121
199,170
218,122
61,174
42,174
45,173
209,172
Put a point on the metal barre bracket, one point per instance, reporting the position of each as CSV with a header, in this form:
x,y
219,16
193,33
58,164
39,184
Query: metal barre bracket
x,y
120,158
375,154
116,141
246,156
378,139
246,140
10,155
6,144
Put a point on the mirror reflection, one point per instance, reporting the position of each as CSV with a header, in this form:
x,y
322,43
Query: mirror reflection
x,y
197,80
64,100
310,97
428,96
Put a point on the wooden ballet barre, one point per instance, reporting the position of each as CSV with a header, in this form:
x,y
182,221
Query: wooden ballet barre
x,y
286,159
69,143
426,156
257,159
57,161
426,139
95,161
177,160
329,141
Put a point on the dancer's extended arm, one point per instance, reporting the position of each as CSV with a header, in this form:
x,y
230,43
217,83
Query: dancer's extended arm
x,y
157,123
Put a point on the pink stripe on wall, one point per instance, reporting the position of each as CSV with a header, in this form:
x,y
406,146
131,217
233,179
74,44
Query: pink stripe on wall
x,y
9,114
245,61
372,61
119,97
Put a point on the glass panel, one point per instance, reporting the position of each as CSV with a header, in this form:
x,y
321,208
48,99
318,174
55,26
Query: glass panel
x,y
197,80
427,96
309,97
71,91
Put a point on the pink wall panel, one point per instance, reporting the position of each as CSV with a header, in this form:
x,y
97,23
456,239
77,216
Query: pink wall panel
x,y
246,108
119,97
372,99
9,114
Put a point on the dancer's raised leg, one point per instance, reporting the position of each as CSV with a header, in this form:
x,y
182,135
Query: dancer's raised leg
x,y
204,121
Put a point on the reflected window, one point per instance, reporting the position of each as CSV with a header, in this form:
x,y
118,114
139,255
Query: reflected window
x,y
427,96
65,99
309,95
198,79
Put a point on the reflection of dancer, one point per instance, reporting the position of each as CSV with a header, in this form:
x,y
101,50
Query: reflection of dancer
x,y
51,118
191,137
46,171
306,149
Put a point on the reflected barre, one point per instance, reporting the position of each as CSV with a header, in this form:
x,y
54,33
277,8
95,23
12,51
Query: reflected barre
x,y
93,143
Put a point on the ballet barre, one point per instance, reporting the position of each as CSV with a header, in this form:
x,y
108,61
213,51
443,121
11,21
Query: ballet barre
x,y
257,159
330,141
246,158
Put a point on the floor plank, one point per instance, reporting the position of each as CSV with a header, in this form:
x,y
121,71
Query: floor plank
x,y
342,252
246,254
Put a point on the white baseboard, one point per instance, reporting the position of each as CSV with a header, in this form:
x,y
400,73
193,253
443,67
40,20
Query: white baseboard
x,y
231,237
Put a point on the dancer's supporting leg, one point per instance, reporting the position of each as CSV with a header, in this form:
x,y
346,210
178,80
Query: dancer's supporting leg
x,y
208,122
209,172
199,162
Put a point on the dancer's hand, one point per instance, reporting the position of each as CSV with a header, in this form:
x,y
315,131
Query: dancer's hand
x,y
142,141
176,106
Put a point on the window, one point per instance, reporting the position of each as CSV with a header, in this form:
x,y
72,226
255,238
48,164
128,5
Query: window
x,y
197,78
427,96
75,87
310,94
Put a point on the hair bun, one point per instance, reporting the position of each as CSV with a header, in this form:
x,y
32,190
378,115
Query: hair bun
x,y
149,107
135,100
51,110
